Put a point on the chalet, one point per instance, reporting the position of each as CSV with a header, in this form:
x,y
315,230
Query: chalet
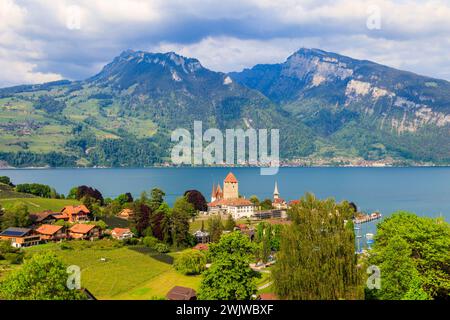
x,y
50,232
76,213
121,233
126,214
181,293
84,231
20,237
45,217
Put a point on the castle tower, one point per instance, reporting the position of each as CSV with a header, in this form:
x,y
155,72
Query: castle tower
x,y
230,187
276,194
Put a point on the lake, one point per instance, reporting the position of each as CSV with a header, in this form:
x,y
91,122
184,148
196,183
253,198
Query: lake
x,y
425,191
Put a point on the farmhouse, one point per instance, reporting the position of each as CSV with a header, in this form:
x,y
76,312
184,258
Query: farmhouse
x,y
121,233
20,237
74,213
84,231
49,232
126,214
43,217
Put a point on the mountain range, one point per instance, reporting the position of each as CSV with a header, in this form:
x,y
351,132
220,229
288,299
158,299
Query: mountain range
x,y
330,109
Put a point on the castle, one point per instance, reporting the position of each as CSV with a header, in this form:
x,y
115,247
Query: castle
x,y
227,200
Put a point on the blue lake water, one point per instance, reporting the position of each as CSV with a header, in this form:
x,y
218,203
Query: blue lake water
x,y
425,191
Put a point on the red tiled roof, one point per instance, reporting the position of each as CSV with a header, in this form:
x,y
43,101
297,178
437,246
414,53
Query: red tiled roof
x,y
120,231
230,178
201,246
279,200
48,229
292,202
268,296
82,228
75,209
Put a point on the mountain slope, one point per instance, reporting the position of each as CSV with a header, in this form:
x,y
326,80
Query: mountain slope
x,y
123,116
357,105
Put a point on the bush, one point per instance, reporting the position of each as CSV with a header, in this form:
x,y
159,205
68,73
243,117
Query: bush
x,y
131,241
150,242
14,258
190,262
65,246
161,248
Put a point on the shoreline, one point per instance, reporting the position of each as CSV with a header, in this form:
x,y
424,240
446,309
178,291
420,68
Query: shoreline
x,y
231,167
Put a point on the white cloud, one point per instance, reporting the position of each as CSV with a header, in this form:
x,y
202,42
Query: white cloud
x,y
223,35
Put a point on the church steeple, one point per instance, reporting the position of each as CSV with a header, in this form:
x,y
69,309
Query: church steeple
x,y
276,194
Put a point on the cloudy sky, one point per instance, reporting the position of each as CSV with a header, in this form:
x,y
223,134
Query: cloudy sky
x,y
45,40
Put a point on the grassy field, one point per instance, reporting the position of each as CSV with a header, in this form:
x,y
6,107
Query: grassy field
x,y
126,272
40,204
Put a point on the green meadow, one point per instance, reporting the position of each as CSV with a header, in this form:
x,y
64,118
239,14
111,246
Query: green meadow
x,y
39,204
113,272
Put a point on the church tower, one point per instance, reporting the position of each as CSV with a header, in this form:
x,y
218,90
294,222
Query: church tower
x,y
276,194
230,187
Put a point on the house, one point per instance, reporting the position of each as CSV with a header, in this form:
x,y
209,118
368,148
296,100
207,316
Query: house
x,y
126,214
50,232
75,213
181,293
84,231
45,217
20,237
121,233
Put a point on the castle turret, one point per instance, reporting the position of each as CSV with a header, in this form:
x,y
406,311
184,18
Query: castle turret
x,y
230,187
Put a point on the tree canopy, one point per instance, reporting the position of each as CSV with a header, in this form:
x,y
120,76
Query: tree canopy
x,y
317,257
42,277
230,276
412,253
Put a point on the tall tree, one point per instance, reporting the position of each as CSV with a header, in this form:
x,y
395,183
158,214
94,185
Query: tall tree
x,y
141,217
156,198
230,276
197,199
181,212
317,254
215,228
230,223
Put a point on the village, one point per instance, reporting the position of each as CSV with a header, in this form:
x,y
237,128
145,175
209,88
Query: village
x,y
248,216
